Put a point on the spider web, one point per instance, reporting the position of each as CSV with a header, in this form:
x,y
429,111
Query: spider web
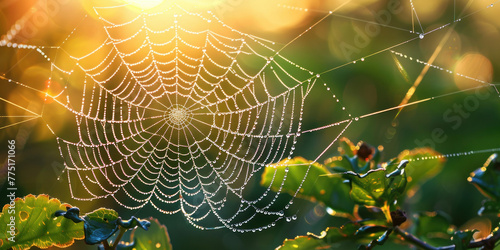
x,y
178,110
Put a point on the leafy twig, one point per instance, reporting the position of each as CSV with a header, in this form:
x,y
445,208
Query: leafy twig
x,y
486,243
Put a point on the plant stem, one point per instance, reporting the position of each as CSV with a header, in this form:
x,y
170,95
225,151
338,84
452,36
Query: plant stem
x,y
387,212
106,245
118,238
487,243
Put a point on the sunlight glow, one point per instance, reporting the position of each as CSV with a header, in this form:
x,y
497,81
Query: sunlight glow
x,y
144,4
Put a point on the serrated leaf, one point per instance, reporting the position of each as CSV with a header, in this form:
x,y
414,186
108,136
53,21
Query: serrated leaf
x,y
461,239
424,164
36,225
487,178
320,185
434,228
155,238
377,187
100,225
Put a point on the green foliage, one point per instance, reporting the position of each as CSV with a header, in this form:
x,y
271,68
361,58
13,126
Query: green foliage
x,y
155,238
39,223
376,190
332,235
377,187
461,239
321,185
434,228
102,224
35,224
487,178
425,164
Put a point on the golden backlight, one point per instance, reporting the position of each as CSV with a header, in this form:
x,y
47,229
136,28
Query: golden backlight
x,y
144,4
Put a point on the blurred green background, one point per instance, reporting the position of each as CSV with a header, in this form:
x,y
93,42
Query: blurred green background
x,y
369,29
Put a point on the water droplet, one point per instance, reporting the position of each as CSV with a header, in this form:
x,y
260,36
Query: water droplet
x,y
287,169
421,36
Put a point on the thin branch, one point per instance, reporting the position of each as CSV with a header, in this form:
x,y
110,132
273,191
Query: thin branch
x,y
413,239
487,243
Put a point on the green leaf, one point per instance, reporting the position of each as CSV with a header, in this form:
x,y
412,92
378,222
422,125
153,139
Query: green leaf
x,y
489,207
424,164
319,186
340,164
100,225
380,240
434,228
333,236
71,213
155,238
133,222
461,239
35,224
347,147
487,178
377,187
330,236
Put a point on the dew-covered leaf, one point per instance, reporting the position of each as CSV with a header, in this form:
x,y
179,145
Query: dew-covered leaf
x,y
434,228
319,186
377,187
155,238
487,178
36,225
